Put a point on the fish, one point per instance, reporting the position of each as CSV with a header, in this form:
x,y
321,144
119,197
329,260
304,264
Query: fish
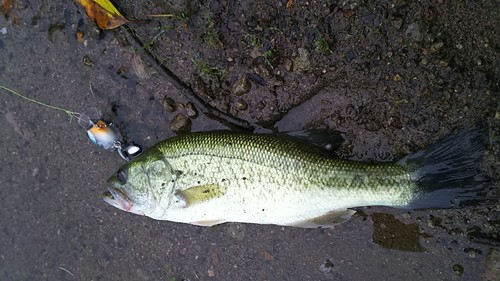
x,y
211,178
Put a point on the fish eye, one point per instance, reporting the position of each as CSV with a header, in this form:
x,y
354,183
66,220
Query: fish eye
x,y
121,176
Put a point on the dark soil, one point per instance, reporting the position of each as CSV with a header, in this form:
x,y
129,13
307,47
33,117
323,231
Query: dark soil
x,y
392,76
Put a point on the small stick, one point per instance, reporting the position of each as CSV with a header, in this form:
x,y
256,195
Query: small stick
x,y
67,271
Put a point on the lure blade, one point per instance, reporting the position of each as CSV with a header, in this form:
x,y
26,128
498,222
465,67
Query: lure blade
x,y
85,118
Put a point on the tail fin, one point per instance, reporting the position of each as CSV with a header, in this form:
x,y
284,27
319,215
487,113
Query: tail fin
x,y
448,173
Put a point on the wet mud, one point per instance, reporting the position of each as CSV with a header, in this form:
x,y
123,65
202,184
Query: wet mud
x,y
392,77
393,234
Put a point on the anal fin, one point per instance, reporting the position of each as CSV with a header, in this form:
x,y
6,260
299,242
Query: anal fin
x,y
328,220
208,222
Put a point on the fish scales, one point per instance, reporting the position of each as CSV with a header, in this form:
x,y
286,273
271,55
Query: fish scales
x,y
270,174
212,178
277,154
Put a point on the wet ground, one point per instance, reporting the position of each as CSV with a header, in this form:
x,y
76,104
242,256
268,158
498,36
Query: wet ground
x,y
392,76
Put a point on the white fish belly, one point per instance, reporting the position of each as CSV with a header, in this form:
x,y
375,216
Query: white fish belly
x,y
258,194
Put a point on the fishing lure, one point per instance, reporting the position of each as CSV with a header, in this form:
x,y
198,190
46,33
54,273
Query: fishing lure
x,y
106,135
103,134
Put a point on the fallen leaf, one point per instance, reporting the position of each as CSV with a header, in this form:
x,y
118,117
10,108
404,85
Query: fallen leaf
x,y
268,256
348,13
103,13
8,7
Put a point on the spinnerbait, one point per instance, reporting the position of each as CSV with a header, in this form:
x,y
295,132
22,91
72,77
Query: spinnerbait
x,y
100,132
107,136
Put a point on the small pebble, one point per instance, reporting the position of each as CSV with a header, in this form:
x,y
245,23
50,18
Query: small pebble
x,y
288,64
261,104
180,124
122,70
256,78
436,46
327,266
397,23
278,81
241,104
80,36
492,265
301,63
473,252
236,230
87,61
434,221
458,269
191,111
241,86
169,104
414,33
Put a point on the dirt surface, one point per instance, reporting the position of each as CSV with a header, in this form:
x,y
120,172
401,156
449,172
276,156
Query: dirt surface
x,y
392,76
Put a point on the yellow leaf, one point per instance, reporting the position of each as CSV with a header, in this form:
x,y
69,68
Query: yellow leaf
x,y
8,7
103,13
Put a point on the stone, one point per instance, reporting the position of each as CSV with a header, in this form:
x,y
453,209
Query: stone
x,y
191,111
169,104
180,124
241,86
301,62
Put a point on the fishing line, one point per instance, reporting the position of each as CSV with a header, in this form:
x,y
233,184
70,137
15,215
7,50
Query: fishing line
x,y
71,114
103,134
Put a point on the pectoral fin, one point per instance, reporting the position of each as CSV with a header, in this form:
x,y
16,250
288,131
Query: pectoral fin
x,y
200,193
328,220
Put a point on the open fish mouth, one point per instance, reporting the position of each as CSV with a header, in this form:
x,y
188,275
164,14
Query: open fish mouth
x,y
117,198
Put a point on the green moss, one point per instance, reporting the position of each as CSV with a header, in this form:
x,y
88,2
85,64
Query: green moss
x,y
268,57
206,68
253,41
182,16
210,36
321,43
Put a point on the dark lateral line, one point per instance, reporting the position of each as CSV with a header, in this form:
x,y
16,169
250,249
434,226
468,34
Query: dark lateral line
x,y
232,122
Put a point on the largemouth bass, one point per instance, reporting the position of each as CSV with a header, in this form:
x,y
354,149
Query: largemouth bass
x,y
211,178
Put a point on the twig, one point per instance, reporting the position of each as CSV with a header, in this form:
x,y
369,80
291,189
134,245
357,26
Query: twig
x,y
211,112
67,271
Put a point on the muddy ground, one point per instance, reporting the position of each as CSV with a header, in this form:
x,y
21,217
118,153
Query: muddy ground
x,y
392,76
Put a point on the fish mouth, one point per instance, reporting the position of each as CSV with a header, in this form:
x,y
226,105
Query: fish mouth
x,y
117,198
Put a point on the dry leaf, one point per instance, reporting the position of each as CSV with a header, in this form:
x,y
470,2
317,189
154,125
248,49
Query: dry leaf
x,y
268,256
103,13
8,7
